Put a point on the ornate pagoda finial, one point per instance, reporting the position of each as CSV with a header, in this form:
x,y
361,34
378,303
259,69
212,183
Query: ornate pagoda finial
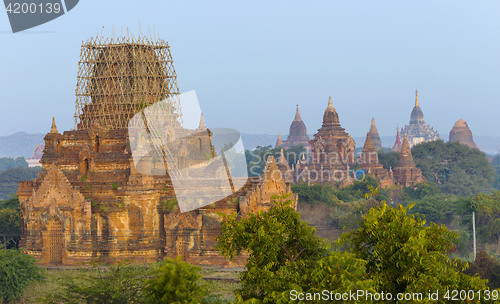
x,y
202,123
297,114
330,104
416,98
53,128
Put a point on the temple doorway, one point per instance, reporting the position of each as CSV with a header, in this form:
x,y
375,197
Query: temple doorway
x,y
55,242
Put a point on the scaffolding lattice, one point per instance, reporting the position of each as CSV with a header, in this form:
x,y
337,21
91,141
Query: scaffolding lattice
x,y
117,78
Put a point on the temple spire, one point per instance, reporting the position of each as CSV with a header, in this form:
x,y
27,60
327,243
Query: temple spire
x,y
330,104
368,147
279,142
397,144
377,143
282,159
202,123
297,115
416,98
53,128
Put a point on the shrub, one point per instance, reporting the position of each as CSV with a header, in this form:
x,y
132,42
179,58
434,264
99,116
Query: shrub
x,y
17,271
116,284
176,282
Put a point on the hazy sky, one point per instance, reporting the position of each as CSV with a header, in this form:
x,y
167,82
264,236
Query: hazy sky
x,y
251,62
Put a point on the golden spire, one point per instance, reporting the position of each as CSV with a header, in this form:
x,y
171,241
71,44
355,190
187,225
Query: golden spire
x,y
297,115
53,128
416,98
330,104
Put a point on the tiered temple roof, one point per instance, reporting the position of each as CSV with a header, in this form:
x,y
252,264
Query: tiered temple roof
x,y
369,162
332,150
417,131
406,172
298,133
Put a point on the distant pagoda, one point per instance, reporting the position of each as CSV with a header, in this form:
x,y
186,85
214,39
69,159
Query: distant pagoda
x,y
298,133
417,131
406,172
461,133
397,144
377,143
332,152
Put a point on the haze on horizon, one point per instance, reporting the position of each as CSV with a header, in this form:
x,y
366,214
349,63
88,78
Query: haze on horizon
x,y
252,62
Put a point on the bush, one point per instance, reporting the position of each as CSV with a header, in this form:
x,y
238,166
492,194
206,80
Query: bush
x,y
176,282
116,284
487,268
17,271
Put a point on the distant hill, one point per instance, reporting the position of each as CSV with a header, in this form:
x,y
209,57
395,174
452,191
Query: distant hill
x,y
19,144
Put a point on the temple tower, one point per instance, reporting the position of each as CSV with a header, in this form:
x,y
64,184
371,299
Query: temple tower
x,y
298,132
406,172
279,142
417,131
397,144
92,198
369,162
332,151
377,143
461,133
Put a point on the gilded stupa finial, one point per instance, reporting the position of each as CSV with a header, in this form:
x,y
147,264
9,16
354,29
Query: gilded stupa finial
x,y
53,128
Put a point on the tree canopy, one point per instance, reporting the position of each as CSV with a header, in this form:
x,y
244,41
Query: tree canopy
x,y
391,252
9,162
454,167
10,178
257,158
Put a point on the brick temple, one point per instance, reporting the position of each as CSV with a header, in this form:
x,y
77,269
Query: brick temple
x,y
92,199
332,158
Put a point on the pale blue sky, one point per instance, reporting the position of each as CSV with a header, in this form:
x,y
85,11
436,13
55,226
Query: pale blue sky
x,y
251,62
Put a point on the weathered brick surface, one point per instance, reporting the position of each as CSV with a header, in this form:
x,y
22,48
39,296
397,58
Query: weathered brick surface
x,y
108,209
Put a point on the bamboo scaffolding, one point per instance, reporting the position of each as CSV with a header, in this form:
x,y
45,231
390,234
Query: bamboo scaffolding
x,y
117,78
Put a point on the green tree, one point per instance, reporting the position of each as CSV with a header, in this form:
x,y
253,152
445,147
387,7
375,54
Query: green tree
x,y
273,239
388,159
359,189
257,158
17,272
435,208
421,190
9,162
487,209
12,202
10,178
487,267
405,256
455,167
176,282
10,227
315,194
495,164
